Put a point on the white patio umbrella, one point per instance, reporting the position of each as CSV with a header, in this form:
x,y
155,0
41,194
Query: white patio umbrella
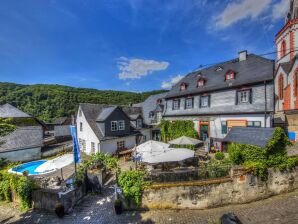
x,y
185,141
150,148
55,164
170,155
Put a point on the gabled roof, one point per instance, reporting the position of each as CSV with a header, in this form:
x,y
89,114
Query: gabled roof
x,y
62,120
252,70
95,113
91,113
150,105
9,111
22,138
249,135
105,113
287,66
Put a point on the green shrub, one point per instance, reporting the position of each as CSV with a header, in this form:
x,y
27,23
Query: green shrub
x,y
174,129
22,186
219,155
258,159
132,183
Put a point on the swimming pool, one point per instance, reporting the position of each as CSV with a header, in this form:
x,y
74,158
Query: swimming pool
x,y
30,167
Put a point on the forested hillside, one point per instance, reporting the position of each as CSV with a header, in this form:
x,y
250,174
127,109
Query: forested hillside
x,y
50,101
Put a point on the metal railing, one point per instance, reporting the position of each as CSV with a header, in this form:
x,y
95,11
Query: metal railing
x,y
189,174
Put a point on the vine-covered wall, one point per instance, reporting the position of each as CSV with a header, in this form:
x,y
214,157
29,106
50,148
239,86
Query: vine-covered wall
x,y
175,129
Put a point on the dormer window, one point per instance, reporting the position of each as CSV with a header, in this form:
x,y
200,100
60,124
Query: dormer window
x,y
218,69
159,101
230,75
201,82
183,86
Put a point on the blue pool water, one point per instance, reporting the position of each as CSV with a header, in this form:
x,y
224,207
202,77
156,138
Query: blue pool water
x,y
30,167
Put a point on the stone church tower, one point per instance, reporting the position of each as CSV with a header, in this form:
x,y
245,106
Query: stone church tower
x,y
286,72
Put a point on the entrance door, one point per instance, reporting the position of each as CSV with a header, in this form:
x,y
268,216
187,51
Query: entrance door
x,y
204,131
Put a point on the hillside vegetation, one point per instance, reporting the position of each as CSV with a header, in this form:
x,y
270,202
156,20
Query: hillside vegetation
x,y
50,101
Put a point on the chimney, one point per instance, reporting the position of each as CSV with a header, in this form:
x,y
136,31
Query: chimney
x,y
242,55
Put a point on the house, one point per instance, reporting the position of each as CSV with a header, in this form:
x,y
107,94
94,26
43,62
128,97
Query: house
x,y
153,109
105,128
286,74
23,144
239,92
252,136
61,127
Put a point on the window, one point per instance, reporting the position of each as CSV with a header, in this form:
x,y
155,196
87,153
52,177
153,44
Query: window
x,y
159,101
84,145
81,126
230,75
121,125
80,113
224,127
244,96
188,103
114,126
176,104
254,124
219,68
280,87
120,145
205,101
92,147
283,49
296,83
158,116
151,114
139,123
183,86
201,83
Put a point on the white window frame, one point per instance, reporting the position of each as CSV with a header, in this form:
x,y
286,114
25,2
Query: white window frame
x,y
253,124
158,116
176,104
92,147
121,125
244,96
204,101
114,126
187,101
121,145
139,123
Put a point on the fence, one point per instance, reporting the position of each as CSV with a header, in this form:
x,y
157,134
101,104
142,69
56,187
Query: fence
x,y
189,174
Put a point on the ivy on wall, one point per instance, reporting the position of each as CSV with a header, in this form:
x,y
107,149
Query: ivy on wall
x,y
258,160
174,129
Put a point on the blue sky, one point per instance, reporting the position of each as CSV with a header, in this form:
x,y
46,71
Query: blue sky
x,y
132,45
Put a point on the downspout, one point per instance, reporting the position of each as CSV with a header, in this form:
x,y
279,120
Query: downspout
x,y
265,112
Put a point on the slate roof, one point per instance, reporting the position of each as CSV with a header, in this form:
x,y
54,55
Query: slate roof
x,y
9,111
249,135
105,113
22,138
150,105
252,70
98,113
62,120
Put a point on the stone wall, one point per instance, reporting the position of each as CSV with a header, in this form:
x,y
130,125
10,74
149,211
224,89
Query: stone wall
x,y
22,155
239,188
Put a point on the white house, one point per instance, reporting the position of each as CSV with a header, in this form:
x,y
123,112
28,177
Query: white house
x,y
104,128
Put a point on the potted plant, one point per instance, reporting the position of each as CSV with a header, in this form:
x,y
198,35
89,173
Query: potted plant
x,y
59,210
118,206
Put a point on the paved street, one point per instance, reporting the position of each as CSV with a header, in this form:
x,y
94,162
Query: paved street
x,y
99,209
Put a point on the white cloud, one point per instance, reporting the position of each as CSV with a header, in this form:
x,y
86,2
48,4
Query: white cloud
x,y
137,68
280,9
171,82
237,11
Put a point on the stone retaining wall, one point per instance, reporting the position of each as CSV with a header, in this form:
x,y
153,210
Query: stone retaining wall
x,y
241,187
